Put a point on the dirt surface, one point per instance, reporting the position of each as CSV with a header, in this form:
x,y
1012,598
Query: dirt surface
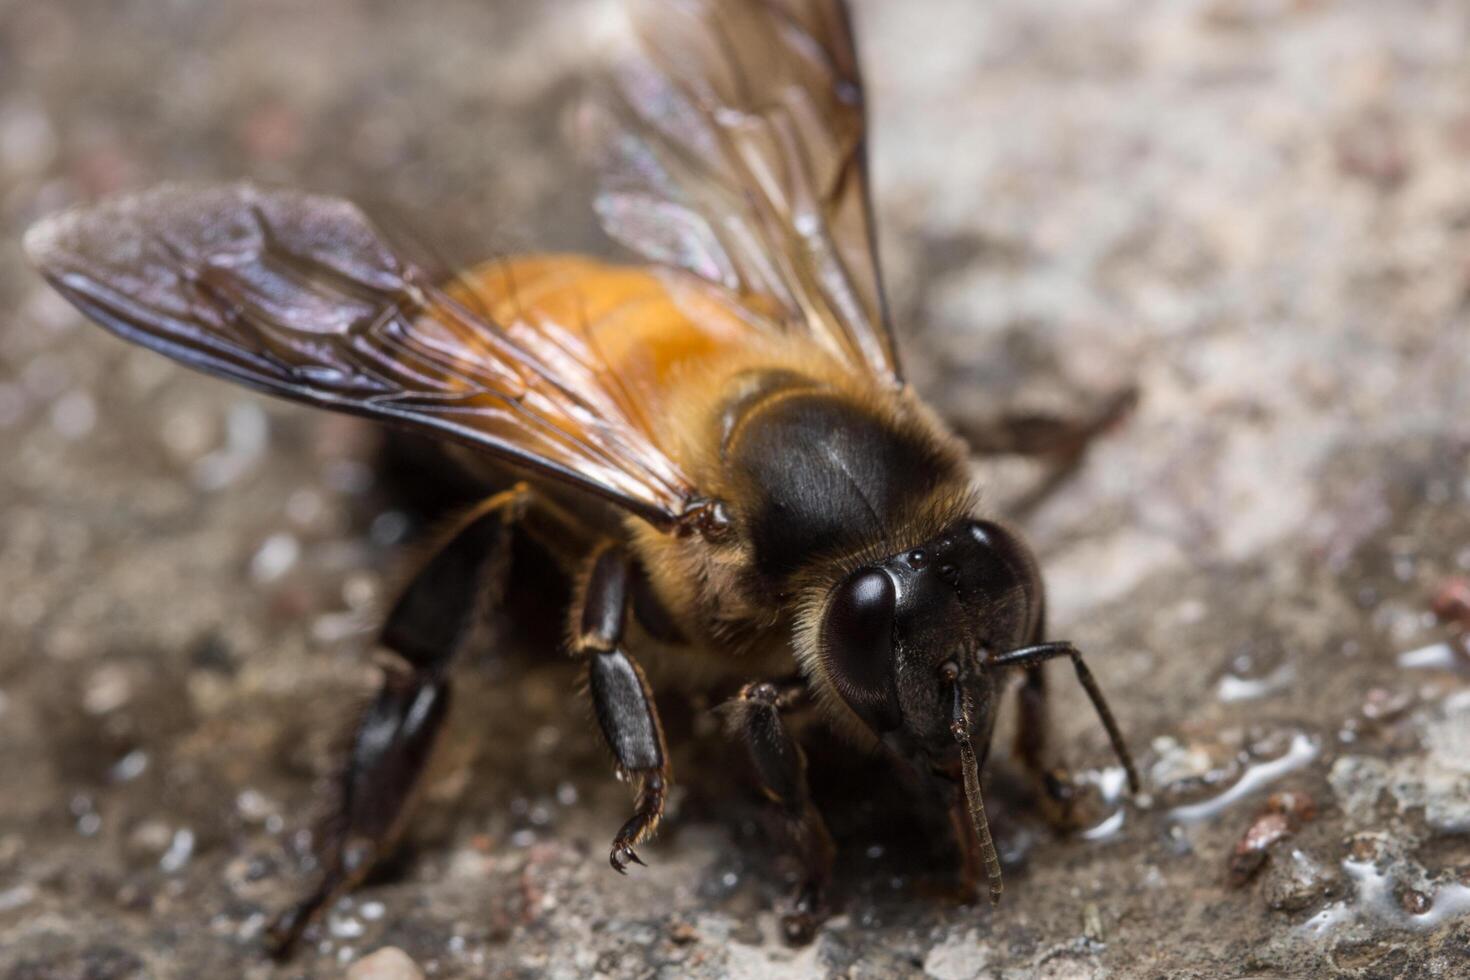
x,y
1257,211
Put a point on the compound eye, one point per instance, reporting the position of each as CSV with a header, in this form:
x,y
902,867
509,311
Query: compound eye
x,y
857,646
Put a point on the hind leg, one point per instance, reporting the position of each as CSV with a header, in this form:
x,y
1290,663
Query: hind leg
x,y
1061,442
431,621
1034,434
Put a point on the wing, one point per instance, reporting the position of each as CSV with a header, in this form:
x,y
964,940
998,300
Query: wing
x,y
736,150
300,296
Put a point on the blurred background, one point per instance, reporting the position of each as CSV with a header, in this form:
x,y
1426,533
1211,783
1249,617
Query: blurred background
x,y
1258,211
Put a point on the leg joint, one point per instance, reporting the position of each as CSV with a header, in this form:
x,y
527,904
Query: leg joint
x,y
762,693
604,602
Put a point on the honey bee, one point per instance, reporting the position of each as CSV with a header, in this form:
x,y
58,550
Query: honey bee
x,y
722,437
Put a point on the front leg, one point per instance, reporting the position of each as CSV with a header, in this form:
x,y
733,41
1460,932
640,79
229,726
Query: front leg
x,y
781,767
621,698
1031,659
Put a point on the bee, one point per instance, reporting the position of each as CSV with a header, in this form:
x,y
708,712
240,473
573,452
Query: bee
x,y
720,439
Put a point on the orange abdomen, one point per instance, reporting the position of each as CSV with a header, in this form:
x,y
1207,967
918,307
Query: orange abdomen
x,y
639,331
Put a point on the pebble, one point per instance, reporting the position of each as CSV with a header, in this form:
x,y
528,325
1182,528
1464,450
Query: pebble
x,y
1451,603
1437,780
1382,706
275,557
959,957
1282,816
74,415
107,689
1296,882
1357,782
1444,771
1415,902
1187,772
388,963
180,850
129,767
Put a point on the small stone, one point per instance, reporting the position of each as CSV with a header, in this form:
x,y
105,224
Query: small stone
x,y
1382,705
1438,779
1282,816
180,850
275,557
1185,773
1092,924
959,957
1296,882
74,415
683,934
1250,850
1415,902
1357,782
1294,804
1451,603
388,963
1367,848
108,689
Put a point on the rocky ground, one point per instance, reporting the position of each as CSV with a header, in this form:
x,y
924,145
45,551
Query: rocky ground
x,y
1257,210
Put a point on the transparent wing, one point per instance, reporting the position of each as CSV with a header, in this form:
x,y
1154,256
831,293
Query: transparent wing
x,y
736,150
301,297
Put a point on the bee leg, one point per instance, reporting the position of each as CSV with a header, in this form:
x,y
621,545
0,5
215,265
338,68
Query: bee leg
x,y
781,767
1059,803
1057,794
432,619
1031,659
1037,434
621,698
1062,441
1031,730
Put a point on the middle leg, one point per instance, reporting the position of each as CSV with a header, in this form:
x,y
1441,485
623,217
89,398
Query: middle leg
x,y
1063,803
1056,791
781,767
1033,657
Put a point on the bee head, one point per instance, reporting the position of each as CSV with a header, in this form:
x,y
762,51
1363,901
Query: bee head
x,y
901,638
905,643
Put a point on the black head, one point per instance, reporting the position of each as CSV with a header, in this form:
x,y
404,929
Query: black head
x,y
899,636
906,643
914,643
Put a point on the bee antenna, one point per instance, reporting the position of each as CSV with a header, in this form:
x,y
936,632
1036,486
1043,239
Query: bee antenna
x,y
959,727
